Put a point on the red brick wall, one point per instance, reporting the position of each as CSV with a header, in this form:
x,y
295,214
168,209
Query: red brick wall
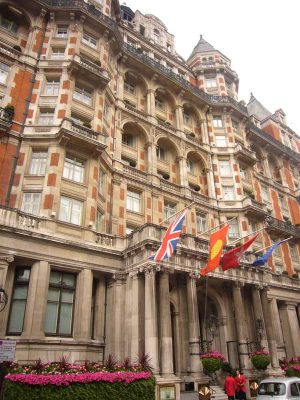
x,y
7,152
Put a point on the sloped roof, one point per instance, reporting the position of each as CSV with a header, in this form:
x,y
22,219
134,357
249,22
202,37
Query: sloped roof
x,y
201,47
256,109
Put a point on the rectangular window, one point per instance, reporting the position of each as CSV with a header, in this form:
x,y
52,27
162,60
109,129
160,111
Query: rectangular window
x,y
221,141
217,121
294,252
101,186
89,40
74,169
233,231
282,202
62,32
18,301
46,118
31,203
160,153
225,168
211,83
70,210
106,111
99,221
159,104
58,53
169,210
243,173
129,87
201,222
4,71
8,24
38,163
190,166
83,95
133,201
60,304
186,118
235,126
52,87
228,193
265,194
128,139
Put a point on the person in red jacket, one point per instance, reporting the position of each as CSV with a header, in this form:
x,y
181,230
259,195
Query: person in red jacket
x,y
240,384
229,386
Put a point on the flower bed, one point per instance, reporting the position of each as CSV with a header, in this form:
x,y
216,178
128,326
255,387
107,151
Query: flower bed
x,y
291,367
212,361
63,381
260,359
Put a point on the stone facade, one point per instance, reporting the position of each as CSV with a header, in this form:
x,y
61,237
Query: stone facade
x,y
112,133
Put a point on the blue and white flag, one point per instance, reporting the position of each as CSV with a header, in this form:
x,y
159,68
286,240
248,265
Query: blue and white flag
x,y
264,258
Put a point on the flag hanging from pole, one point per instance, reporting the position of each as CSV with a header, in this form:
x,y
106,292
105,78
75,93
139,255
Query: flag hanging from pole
x,y
260,261
170,239
231,259
216,244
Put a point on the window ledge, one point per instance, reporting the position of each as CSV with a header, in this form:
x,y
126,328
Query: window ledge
x,y
82,184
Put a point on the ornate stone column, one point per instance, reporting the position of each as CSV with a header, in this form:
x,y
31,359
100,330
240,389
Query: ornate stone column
x,y
194,327
151,337
204,131
291,329
258,312
241,325
135,313
269,327
165,326
4,263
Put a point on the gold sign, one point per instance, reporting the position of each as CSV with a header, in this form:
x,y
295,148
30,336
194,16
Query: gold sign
x,y
254,385
204,391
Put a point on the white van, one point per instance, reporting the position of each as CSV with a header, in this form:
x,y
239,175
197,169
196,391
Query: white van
x,y
279,389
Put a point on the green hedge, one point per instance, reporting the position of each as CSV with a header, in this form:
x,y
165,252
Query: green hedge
x,y
138,390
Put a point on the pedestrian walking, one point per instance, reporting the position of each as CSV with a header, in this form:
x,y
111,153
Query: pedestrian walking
x,y
230,386
240,383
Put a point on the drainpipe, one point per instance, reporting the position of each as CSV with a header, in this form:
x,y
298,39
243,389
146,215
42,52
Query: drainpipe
x,y
20,137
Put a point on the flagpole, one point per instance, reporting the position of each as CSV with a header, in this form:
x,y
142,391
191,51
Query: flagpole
x,y
267,247
211,229
243,237
180,211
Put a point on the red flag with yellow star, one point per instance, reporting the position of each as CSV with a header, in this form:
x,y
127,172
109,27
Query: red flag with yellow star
x,y
216,244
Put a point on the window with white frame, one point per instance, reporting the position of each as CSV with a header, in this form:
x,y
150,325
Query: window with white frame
x,y
233,231
52,87
221,141
128,139
159,103
4,71
133,201
225,168
190,166
38,163
62,31
99,221
70,210
18,301
8,24
217,121
228,193
46,117
60,304
211,83
129,87
169,210
265,194
201,220
160,153
89,40
83,95
31,203
74,169
101,186
58,53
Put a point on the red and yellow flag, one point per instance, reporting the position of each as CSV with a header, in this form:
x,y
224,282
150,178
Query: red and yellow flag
x,y
216,244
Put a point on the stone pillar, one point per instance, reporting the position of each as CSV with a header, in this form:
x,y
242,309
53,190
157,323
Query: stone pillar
x,y
83,306
151,153
165,326
182,171
151,103
258,312
204,131
117,315
298,312
120,85
241,325
276,322
210,183
151,338
4,263
291,329
135,313
34,320
179,117
269,328
194,327
100,310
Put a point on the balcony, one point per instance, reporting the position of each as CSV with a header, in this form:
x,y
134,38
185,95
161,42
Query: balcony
x,y
282,228
82,137
266,138
6,117
209,65
135,111
91,71
9,51
254,209
166,125
244,154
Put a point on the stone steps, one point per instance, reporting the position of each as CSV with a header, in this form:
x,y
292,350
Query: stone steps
x,y
218,394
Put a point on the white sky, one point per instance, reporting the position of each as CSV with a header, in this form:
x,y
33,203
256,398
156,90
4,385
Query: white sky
x,y
261,37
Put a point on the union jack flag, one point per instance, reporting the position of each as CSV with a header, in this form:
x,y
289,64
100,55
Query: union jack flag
x,y
170,239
